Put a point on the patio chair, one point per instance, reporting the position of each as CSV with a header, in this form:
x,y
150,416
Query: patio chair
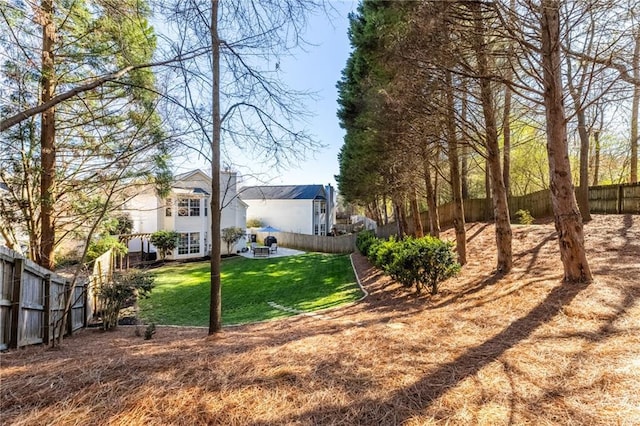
x,y
273,248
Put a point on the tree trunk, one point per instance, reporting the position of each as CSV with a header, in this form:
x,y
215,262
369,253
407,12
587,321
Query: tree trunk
x,y
506,135
634,110
432,202
465,146
47,141
488,205
402,218
567,217
215,309
456,187
415,213
582,195
384,210
500,206
596,157
464,172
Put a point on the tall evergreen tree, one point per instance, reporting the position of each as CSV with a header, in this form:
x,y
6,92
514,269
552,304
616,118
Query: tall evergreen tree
x,y
85,141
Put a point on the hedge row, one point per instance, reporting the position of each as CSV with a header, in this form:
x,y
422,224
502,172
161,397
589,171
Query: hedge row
x,y
423,262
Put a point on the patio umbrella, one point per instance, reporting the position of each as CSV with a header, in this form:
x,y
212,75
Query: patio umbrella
x,y
268,229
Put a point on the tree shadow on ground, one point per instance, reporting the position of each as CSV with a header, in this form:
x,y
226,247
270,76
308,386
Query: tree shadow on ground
x,y
403,404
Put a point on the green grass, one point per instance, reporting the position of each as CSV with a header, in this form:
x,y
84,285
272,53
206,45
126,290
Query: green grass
x,y
306,282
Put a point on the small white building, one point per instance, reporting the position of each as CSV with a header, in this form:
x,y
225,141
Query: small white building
x,y
302,209
186,210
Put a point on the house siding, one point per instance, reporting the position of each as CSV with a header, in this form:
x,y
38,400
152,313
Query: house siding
x,y
148,213
286,215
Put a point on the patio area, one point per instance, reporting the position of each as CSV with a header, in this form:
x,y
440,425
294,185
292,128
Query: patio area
x,y
281,252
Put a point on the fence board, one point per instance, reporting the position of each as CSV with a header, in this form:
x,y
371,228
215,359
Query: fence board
x,y
315,243
6,284
610,199
32,300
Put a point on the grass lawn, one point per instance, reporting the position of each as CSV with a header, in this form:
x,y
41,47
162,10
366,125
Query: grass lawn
x,y
306,282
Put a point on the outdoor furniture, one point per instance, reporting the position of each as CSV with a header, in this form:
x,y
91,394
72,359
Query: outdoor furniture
x,y
273,248
261,251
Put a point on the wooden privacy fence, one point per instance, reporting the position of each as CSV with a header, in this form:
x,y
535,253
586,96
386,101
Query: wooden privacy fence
x,y
339,244
103,268
609,199
618,199
32,302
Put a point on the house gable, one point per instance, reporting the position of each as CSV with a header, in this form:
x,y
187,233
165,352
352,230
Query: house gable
x,y
283,192
304,209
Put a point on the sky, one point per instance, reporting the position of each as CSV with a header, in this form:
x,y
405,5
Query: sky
x,y
316,68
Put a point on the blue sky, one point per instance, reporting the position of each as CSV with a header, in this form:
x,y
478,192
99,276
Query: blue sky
x,y
316,68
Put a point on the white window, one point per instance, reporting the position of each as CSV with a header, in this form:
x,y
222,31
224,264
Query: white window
x,y
183,207
323,208
183,243
189,207
194,207
194,242
168,212
315,229
189,243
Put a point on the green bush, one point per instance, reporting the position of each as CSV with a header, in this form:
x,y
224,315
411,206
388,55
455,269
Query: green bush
x,y
524,217
420,262
124,288
165,242
254,223
231,236
436,262
364,239
104,244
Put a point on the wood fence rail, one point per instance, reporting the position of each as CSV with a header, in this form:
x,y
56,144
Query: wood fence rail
x,y
605,199
318,243
32,302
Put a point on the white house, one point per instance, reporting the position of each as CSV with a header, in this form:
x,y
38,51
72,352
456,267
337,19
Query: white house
x,y
303,209
186,211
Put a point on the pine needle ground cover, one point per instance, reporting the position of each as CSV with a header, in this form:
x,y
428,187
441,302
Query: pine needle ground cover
x,y
252,289
519,349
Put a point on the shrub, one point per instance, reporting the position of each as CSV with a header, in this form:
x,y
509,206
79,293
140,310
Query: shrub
x,y
123,288
403,263
436,262
149,331
254,223
104,244
364,239
231,235
420,262
118,224
524,217
165,242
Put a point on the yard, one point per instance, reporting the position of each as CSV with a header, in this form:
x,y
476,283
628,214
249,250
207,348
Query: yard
x,y
489,350
252,290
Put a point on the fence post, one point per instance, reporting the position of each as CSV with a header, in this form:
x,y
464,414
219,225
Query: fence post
x,y
620,199
16,301
68,295
85,311
46,335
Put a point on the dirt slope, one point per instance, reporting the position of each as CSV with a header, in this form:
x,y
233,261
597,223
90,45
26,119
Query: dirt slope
x,y
518,349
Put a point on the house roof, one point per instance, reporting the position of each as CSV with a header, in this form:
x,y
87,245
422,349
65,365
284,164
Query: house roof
x,y
282,192
180,190
187,175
